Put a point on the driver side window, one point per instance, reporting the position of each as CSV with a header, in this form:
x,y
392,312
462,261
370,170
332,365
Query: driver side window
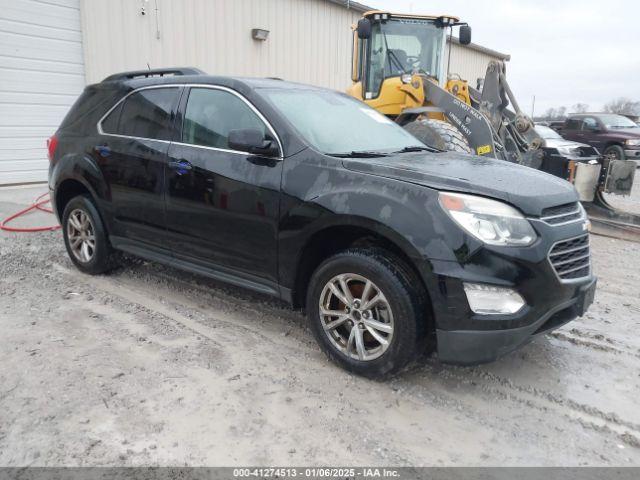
x,y
589,123
211,114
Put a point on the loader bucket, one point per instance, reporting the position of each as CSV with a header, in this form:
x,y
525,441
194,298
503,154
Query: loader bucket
x,y
610,221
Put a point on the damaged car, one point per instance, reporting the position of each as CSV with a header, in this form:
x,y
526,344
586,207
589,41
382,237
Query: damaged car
x,y
391,247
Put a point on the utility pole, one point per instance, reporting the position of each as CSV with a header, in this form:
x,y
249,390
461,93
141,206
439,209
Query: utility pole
x,y
533,106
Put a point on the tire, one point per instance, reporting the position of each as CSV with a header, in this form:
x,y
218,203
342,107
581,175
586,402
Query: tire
x,y
404,317
99,257
614,152
439,134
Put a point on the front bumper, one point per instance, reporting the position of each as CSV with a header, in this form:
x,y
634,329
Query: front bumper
x,y
468,347
464,337
632,154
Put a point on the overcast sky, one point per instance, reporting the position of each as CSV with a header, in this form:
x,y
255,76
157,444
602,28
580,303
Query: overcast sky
x,y
563,52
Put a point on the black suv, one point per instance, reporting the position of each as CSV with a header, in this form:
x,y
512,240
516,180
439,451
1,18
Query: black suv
x,y
311,196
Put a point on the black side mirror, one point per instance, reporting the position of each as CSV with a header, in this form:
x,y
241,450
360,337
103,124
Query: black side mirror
x,y
465,34
364,28
252,141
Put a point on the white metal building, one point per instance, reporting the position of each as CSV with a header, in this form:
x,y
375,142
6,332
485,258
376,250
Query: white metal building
x,y
49,50
41,74
470,61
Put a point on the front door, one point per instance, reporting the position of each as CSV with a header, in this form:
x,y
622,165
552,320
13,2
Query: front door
x,y
573,130
222,205
592,130
132,153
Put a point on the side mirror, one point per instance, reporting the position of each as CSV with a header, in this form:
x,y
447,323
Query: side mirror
x,y
364,28
465,35
251,140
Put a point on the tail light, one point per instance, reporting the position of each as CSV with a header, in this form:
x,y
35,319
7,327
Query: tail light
x,y
52,143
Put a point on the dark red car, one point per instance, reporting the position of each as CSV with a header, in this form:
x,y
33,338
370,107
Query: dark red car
x,y
616,136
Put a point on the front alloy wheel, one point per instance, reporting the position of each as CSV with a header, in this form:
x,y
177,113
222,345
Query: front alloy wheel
x,y
356,316
367,310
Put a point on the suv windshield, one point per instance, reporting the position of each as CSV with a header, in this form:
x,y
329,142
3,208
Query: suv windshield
x,y
335,123
400,46
616,121
546,132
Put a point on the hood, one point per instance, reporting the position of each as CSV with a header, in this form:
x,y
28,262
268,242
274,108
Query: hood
x,y
561,142
527,189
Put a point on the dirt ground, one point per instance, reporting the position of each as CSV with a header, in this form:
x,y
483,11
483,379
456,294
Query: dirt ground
x,y
152,366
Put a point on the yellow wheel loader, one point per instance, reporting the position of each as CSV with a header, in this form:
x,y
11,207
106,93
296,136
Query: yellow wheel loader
x,y
400,67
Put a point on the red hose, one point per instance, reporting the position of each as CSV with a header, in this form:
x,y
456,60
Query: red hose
x,y
38,204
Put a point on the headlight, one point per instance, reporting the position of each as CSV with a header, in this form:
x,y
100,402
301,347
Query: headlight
x,y
568,151
490,221
633,142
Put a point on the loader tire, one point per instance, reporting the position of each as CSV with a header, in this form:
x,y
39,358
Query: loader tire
x,y
439,134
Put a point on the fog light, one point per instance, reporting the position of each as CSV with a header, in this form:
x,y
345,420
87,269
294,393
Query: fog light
x,y
491,300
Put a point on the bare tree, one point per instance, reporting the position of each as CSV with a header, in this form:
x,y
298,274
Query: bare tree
x,y
555,113
580,108
623,105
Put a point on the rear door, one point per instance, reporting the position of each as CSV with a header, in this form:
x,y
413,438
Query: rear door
x,y
132,153
222,205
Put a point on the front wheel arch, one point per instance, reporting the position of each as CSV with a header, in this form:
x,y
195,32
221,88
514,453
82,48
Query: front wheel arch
x,y
352,231
615,146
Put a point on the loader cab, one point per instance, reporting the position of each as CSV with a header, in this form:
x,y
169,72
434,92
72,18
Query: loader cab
x,y
391,52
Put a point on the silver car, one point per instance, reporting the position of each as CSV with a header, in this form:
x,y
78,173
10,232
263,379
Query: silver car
x,y
566,148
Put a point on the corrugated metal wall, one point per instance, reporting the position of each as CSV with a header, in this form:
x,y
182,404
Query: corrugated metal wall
x,y
469,64
309,40
41,74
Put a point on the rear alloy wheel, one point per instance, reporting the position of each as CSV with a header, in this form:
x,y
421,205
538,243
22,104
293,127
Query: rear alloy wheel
x,y
367,311
85,237
614,152
81,234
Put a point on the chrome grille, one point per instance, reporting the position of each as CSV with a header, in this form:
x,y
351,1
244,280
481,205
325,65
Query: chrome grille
x,y
569,212
571,258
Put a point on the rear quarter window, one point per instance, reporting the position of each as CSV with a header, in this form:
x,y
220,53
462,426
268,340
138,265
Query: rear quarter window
x,y
110,124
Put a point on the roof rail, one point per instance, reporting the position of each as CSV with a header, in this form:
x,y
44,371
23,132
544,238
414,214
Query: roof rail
x,y
156,72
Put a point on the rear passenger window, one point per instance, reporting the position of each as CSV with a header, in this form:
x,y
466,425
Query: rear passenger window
x,y
144,114
574,124
211,114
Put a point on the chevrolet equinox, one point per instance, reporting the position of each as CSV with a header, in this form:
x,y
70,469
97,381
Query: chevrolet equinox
x,y
390,246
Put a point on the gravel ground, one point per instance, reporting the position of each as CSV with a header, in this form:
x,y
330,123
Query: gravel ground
x,y
152,366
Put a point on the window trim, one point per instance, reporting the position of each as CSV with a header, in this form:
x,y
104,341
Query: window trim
x,y
99,124
190,86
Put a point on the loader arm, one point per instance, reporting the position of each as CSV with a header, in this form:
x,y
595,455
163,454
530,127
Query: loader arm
x,y
488,125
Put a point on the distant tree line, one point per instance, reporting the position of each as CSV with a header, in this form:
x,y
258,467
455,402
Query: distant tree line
x,y
622,105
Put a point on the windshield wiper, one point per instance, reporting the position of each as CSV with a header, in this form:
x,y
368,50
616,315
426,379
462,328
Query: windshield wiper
x,y
359,154
418,148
